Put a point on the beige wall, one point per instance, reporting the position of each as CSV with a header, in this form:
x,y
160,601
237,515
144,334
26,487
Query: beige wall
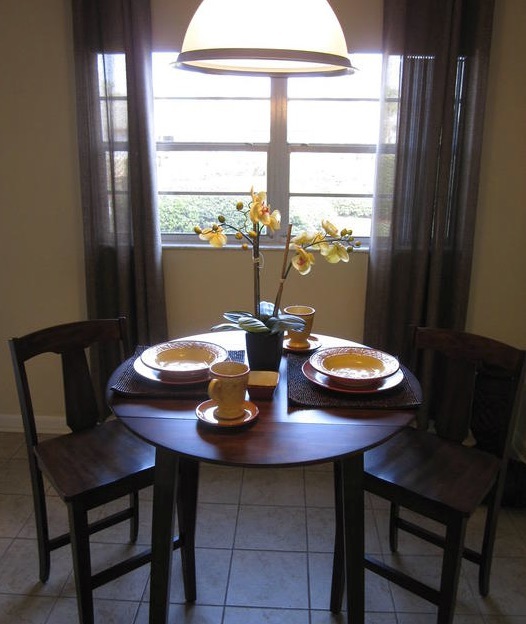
x,y
216,280
41,274
498,290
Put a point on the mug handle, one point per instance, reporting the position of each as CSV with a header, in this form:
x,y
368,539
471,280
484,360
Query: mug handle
x,y
214,389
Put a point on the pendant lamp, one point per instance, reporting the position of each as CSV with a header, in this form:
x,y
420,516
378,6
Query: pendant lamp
x,y
265,37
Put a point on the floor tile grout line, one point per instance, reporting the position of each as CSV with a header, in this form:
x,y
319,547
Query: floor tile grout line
x,y
516,560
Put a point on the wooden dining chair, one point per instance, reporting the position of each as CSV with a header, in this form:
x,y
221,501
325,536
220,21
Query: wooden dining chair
x,y
98,462
474,393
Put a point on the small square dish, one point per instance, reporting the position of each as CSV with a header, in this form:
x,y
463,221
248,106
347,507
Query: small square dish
x,y
261,384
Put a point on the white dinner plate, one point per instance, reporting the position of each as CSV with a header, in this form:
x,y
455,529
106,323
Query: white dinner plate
x,y
183,360
153,375
386,383
354,366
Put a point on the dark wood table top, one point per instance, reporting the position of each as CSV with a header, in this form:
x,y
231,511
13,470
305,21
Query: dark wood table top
x,y
280,436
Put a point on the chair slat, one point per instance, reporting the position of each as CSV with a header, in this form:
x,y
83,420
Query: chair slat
x,y
82,409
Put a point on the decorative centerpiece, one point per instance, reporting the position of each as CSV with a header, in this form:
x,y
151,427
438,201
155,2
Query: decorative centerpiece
x,y
266,325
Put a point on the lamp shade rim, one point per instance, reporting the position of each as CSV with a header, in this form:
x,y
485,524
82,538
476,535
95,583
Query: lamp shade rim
x,y
250,62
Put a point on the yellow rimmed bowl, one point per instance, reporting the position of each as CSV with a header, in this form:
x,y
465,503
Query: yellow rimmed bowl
x,y
183,360
354,366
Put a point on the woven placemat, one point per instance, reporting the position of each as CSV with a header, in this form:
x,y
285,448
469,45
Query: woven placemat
x,y
130,383
303,392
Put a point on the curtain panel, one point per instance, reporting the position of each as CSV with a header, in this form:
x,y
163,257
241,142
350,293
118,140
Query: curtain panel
x,y
436,56
123,259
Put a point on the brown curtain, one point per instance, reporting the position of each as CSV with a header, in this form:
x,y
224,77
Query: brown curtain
x,y
436,55
112,40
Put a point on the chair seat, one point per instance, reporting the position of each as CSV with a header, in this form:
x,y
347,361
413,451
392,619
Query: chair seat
x,y
77,464
423,466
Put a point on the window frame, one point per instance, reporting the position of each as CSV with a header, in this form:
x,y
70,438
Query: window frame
x,y
279,152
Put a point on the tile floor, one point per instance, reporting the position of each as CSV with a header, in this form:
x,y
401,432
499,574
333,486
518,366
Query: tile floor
x,y
263,557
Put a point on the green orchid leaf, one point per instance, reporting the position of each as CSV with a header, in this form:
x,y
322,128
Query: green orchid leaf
x,y
284,324
266,309
240,319
225,327
291,318
235,315
251,324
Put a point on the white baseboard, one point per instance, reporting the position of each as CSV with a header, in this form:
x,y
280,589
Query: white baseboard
x,y
45,424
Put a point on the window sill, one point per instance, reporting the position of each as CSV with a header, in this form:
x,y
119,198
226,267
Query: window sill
x,y
364,248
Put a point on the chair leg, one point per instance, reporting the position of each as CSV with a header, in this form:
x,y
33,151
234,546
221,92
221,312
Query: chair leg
x,y
164,500
186,514
490,530
39,502
80,550
453,549
394,513
134,521
353,531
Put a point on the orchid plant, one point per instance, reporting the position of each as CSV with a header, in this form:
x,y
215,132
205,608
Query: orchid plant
x,y
332,244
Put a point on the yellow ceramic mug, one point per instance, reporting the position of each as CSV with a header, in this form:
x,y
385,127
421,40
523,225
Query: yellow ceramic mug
x,y
227,388
300,340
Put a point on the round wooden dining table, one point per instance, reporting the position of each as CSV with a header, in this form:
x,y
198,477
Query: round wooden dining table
x,y
334,427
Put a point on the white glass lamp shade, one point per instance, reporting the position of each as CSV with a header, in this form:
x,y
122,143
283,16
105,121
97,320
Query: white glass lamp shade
x,y
265,37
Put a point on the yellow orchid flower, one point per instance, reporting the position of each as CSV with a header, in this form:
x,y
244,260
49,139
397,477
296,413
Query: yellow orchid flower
x,y
318,241
261,214
259,197
275,220
323,247
259,211
334,253
303,239
302,261
331,229
214,235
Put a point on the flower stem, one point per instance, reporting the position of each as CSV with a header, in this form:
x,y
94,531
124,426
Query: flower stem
x,y
256,260
284,272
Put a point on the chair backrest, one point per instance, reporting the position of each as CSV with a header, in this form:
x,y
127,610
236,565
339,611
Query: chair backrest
x,y
72,342
471,386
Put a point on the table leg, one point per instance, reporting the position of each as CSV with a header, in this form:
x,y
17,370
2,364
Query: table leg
x,y
338,560
186,514
164,496
349,539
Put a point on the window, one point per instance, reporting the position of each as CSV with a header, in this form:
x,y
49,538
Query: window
x,y
310,143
